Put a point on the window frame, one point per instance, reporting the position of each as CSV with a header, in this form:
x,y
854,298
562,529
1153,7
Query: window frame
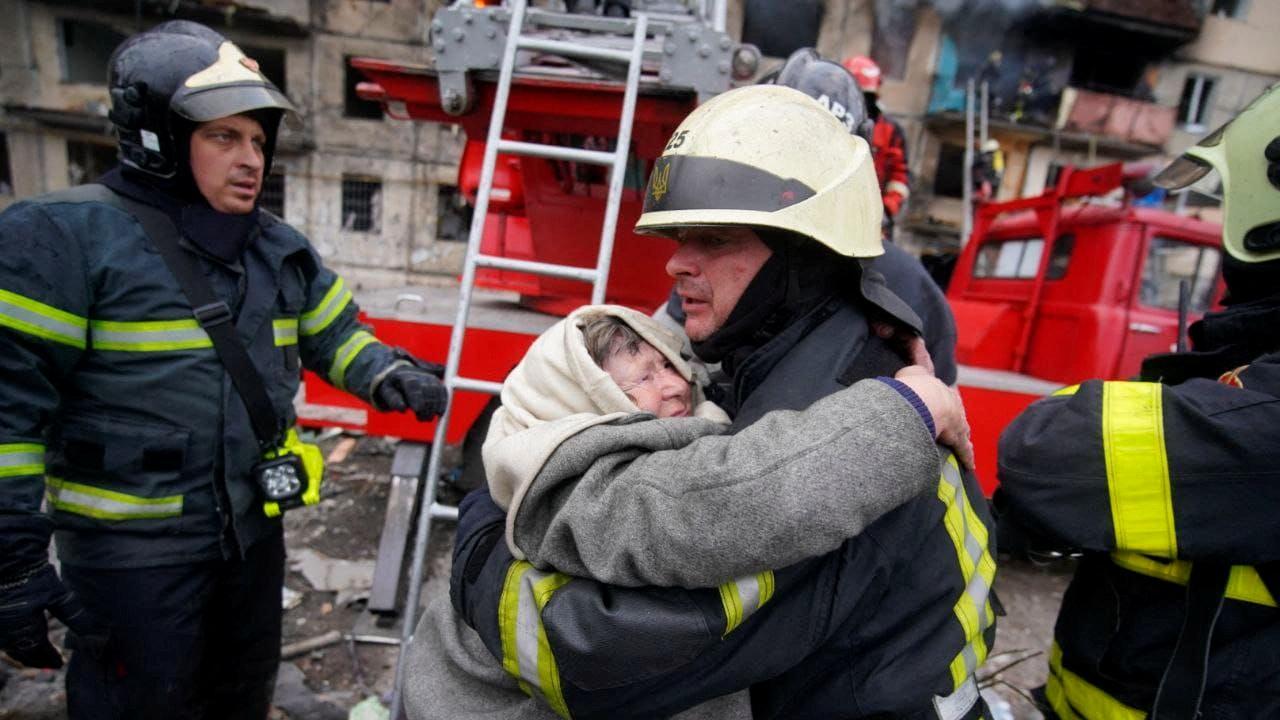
x,y
1211,280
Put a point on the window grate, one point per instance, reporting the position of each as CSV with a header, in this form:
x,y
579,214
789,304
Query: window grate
x,y
453,215
272,198
361,204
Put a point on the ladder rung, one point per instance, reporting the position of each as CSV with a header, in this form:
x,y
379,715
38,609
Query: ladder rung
x,y
556,152
569,272
570,49
443,512
487,386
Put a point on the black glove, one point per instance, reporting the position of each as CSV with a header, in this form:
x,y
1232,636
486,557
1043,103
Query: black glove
x,y
415,387
24,631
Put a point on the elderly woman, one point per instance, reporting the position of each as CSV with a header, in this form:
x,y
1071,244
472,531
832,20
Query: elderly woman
x,y
604,386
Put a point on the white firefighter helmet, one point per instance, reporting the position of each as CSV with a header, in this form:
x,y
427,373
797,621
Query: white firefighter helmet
x,y
1243,151
767,156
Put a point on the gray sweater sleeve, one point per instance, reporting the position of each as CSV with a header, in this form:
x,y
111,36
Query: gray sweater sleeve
x,y
674,503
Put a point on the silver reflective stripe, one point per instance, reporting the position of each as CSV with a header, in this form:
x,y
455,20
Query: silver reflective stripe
x,y
108,504
323,314
21,459
741,598
526,651
149,335
44,321
973,610
528,623
285,331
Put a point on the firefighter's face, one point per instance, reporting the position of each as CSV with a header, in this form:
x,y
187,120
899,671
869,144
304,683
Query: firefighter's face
x,y
227,160
650,380
712,268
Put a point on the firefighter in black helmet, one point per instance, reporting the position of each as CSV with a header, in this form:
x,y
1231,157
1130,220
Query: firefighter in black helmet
x,y
163,466
1169,485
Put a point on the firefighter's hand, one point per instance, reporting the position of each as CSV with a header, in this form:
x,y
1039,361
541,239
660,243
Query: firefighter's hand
x,y
411,387
24,631
909,346
943,402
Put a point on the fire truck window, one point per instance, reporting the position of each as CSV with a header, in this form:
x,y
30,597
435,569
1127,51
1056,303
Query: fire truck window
x,y
1009,259
1171,261
1060,258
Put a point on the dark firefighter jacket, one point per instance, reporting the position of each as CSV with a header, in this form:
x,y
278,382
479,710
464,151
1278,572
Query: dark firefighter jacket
x,y
113,400
881,626
1151,480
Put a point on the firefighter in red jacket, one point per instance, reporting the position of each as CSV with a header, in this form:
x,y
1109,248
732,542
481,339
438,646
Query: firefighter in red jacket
x,y
888,144
1169,486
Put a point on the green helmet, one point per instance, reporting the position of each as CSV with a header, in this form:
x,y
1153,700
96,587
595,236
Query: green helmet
x,y
1246,154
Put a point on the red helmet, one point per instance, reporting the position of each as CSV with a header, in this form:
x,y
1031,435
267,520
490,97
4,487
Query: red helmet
x,y
865,71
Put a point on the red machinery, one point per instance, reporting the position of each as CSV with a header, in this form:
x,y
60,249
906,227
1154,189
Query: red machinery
x,y
1103,297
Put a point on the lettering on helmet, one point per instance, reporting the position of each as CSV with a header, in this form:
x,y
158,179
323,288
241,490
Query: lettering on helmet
x,y
839,111
676,140
659,183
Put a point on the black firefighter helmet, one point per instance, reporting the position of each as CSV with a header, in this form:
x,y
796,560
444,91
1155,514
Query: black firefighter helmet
x,y
831,85
174,76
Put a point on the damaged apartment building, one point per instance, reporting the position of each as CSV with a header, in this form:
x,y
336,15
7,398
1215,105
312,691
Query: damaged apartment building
x,y
1069,82
376,196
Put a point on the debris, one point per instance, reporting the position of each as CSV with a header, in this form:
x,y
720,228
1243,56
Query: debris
x,y
302,647
347,598
330,574
326,608
340,451
290,599
297,700
369,708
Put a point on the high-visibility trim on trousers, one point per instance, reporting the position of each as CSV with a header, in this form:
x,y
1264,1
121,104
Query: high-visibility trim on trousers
x,y
21,459
973,609
43,321
1137,468
526,652
1243,583
741,598
103,504
1074,698
327,310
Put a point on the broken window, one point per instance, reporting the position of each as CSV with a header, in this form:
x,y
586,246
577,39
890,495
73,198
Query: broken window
x,y
453,215
272,198
362,203
949,179
6,174
270,62
87,161
85,48
1193,107
355,106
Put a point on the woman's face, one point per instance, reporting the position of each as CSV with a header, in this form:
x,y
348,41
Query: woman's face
x,y
650,380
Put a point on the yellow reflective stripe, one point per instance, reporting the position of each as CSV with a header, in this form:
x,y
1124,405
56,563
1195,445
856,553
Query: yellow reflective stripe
x,y
1066,391
108,504
969,536
741,598
323,314
285,331
149,335
43,321
21,459
1137,468
346,354
1074,698
526,651
1243,583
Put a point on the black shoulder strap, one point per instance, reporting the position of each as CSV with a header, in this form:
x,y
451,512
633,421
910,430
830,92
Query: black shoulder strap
x,y
215,317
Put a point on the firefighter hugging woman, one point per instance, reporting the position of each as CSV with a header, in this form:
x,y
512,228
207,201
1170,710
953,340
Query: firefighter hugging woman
x,y
155,326
820,550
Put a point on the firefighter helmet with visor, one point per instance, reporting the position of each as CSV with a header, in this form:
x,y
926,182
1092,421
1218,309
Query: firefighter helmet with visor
x,y
767,156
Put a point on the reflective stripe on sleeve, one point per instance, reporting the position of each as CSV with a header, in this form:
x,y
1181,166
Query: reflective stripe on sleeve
x,y
43,321
741,598
1074,698
149,335
108,504
326,311
1137,468
285,331
346,354
526,652
1066,391
21,459
1243,583
899,187
977,567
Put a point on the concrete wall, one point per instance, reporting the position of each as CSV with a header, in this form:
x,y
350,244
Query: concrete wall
x,y
1244,43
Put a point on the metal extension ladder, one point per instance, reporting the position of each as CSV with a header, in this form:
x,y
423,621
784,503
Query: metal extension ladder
x,y
616,161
